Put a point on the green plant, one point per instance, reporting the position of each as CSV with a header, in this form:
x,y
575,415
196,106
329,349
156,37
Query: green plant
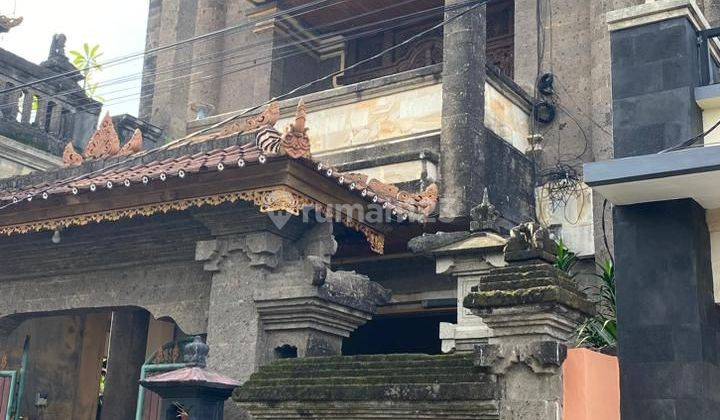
x,y
600,331
566,259
87,62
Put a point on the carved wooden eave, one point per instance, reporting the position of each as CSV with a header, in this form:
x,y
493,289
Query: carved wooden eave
x,y
275,173
277,185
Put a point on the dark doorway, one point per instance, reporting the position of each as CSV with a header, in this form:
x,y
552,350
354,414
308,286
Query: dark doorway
x,y
417,333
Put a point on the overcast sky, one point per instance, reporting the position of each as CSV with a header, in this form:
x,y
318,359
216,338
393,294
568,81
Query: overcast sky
x,y
117,25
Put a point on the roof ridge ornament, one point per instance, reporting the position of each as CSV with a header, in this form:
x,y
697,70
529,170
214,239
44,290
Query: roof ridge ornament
x,y
295,143
7,22
134,145
105,142
484,216
70,156
266,119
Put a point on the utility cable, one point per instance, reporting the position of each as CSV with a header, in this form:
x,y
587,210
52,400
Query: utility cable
x,y
180,141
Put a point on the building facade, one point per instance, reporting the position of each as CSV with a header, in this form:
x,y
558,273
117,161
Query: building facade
x,y
343,183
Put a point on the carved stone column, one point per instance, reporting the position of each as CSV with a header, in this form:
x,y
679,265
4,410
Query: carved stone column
x,y
462,142
272,292
533,310
529,300
529,376
207,68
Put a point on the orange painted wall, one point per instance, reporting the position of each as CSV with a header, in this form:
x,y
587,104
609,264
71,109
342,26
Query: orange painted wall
x,y
591,386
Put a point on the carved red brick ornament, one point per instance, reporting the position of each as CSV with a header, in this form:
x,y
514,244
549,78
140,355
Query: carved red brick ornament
x,y
295,142
71,157
105,142
134,145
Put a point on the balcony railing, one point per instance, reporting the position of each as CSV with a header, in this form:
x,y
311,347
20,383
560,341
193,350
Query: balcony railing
x,y
709,58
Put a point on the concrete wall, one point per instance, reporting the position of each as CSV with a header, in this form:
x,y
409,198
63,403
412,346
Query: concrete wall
x,y
19,159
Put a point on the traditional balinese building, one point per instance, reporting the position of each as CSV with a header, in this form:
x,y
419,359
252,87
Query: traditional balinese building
x,y
356,186
40,118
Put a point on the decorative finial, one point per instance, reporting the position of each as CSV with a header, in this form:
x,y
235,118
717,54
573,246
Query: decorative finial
x,y
266,119
134,145
530,241
71,157
7,23
484,215
105,142
57,47
295,142
196,352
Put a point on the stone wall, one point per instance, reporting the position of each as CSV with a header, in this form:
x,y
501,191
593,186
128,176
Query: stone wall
x,y
667,312
19,159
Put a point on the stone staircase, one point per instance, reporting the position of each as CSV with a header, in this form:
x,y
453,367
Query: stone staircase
x,y
371,387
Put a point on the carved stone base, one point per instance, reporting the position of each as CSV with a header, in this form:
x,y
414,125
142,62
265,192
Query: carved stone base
x,y
463,338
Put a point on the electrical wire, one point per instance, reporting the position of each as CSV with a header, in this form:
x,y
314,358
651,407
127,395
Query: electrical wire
x,y
689,142
181,141
249,23
258,61
243,51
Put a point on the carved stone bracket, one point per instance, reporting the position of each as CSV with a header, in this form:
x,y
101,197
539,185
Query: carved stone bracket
x,y
542,357
262,249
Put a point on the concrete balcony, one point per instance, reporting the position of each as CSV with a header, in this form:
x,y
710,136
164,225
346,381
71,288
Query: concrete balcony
x,y
389,127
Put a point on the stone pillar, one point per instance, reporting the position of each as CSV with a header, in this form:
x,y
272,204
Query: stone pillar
x,y
205,82
533,310
529,300
55,116
667,316
126,355
171,21
654,74
250,83
462,141
42,114
26,110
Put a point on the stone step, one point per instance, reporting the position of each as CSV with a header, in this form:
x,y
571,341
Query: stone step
x,y
461,391
397,357
527,282
341,380
367,371
546,271
371,362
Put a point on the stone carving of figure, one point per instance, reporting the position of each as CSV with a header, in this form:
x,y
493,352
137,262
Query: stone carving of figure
x,y
57,47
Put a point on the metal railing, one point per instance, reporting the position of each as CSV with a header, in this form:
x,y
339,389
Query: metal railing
x,y
709,66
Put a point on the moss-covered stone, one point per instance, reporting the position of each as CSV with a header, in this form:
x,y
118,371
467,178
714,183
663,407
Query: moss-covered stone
x,y
526,296
370,378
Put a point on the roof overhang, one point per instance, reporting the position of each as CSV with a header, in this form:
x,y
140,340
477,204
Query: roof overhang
x,y
690,173
279,184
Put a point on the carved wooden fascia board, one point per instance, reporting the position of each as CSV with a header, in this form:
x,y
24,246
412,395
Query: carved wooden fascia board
x,y
267,200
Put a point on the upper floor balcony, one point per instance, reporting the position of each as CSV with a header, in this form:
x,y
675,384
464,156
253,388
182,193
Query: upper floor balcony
x,y
381,116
